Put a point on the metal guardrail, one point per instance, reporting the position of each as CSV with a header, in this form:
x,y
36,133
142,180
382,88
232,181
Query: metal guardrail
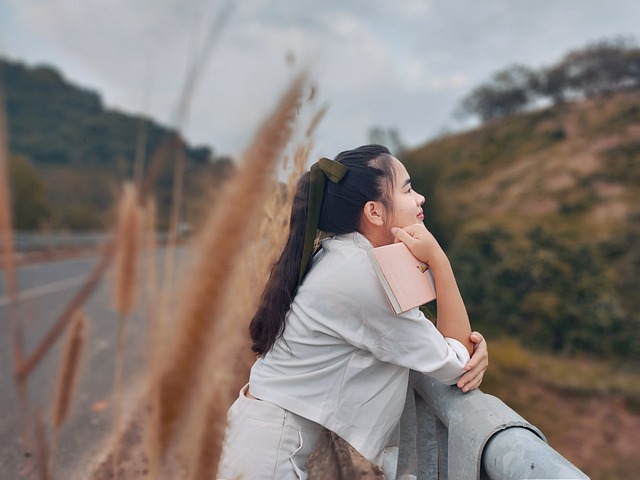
x,y
29,241
447,434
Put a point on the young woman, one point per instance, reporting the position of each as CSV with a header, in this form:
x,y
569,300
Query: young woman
x,y
331,351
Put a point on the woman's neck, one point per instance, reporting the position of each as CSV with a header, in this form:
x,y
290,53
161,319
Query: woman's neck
x,y
378,236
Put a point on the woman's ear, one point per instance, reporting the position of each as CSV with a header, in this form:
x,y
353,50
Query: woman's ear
x,y
373,213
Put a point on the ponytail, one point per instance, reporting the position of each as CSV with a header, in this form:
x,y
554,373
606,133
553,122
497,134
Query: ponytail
x,y
268,323
355,177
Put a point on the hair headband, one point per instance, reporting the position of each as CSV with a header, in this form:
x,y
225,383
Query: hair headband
x,y
320,171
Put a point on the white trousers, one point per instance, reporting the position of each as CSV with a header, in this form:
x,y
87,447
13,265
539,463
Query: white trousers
x,y
264,441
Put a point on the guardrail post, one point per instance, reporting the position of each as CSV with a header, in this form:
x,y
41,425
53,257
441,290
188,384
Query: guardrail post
x,y
407,454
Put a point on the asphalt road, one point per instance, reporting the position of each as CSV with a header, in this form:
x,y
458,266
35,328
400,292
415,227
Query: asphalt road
x,y
44,291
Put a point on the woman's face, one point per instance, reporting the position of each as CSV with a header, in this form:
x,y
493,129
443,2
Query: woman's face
x,y
406,202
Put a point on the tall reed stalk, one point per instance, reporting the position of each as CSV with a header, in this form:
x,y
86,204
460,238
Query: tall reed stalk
x,y
42,446
68,374
8,263
225,235
127,238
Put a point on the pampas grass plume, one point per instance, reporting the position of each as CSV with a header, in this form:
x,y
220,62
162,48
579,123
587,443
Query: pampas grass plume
x,y
224,237
69,369
127,238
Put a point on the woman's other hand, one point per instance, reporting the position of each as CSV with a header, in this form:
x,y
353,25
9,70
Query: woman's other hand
x,y
477,365
421,242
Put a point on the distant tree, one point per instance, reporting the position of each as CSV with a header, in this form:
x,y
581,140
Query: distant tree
x,y
509,91
552,82
30,209
389,137
600,68
202,154
603,67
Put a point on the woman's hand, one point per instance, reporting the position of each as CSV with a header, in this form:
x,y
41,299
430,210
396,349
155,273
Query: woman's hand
x,y
421,242
476,366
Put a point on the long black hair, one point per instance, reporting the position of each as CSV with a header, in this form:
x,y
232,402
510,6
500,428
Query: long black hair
x,y
370,177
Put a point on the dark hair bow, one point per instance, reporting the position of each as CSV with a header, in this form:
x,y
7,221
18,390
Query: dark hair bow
x,y
320,171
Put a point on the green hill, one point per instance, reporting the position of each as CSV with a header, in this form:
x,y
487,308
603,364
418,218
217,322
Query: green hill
x,y
540,214
81,151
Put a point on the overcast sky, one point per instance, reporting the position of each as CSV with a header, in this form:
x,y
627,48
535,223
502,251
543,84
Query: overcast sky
x,y
404,64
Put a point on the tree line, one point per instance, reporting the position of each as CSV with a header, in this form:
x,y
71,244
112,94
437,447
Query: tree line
x,y
54,126
601,68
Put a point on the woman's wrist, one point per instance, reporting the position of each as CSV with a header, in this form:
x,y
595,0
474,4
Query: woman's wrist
x,y
439,263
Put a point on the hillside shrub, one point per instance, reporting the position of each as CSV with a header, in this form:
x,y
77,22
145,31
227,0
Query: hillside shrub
x,y
550,289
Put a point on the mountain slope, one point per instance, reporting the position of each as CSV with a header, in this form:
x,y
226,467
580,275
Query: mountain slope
x,y
83,151
540,216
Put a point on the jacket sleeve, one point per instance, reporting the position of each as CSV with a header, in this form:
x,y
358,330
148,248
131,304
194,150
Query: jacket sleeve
x,y
409,340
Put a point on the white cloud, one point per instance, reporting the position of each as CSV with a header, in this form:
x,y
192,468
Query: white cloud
x,y
404,64
453,81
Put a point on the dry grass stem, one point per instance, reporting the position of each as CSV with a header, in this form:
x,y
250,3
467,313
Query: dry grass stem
x,y
68,375
6,230
151,271
315,121
199,61
68,372
176,194
42,447
127,238
8,263
117,394
141,140
223,238
150,243
210,445
228,366
156,162
128,242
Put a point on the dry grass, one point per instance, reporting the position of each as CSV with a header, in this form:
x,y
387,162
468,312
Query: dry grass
x,y
234,253
127,243
7,255
68,374
127,250
69,369
224,237
42,446
6,232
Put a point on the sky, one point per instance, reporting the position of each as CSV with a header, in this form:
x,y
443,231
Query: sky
x,y
404,64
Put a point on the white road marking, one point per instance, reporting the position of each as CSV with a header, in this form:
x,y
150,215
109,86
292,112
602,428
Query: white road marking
x,y
45,289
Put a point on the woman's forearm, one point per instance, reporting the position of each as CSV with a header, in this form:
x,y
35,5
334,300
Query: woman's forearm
x,y
453,320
